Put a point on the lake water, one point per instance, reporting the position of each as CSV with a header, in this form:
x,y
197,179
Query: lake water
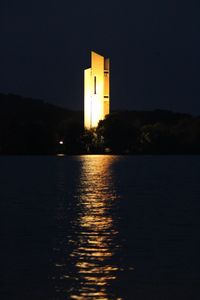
x,y
100,227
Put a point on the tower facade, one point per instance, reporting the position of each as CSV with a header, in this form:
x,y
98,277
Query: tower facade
x,y
96,91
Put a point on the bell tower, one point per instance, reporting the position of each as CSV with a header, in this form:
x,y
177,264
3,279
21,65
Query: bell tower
x,y
96,91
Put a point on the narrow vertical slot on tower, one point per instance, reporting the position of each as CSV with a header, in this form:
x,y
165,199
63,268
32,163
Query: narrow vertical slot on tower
x,y
95,85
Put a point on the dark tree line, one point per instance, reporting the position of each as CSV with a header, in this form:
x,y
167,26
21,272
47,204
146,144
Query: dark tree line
x,y
157,132
30,126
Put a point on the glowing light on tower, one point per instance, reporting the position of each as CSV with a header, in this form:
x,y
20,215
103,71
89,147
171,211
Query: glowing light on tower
x,y
96,91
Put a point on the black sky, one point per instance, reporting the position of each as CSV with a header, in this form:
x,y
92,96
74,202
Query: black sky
x,y
154,47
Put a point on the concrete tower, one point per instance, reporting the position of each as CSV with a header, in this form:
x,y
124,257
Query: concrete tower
x,y
96,91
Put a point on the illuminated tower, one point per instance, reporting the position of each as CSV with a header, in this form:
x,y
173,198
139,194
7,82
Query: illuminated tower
x,y
96,91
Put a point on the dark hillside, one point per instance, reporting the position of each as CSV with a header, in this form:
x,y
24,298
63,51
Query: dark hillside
x,y
32,126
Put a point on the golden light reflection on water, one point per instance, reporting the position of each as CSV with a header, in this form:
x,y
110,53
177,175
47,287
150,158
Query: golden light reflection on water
x,y
95,246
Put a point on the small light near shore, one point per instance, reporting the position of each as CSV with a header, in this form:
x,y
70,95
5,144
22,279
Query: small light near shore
x,y
61,142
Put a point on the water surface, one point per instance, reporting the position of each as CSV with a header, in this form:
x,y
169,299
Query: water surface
x,y
100,227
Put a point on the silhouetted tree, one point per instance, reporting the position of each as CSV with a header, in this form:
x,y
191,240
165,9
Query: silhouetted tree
x,y
118,135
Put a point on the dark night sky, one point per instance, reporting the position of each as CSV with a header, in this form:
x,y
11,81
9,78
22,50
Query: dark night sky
x,y
154,47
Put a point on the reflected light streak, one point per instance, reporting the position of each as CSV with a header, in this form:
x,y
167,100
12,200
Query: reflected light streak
x,y
95,246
